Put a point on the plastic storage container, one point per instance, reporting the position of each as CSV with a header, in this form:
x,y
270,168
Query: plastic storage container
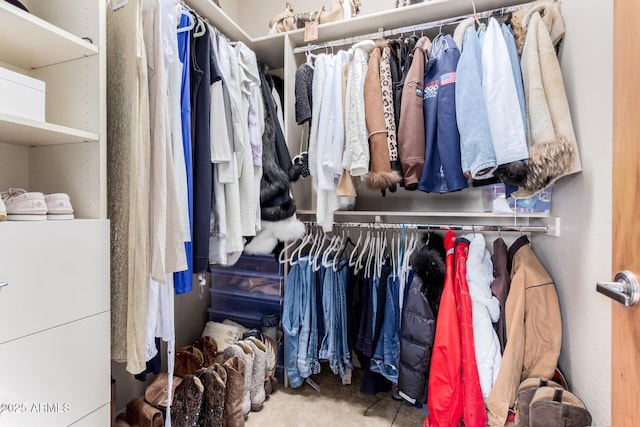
x,y
255,264
21,95
249,282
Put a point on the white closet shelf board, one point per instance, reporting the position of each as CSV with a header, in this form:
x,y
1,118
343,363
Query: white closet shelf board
x,y
220,20
429,214
32,133
270,47
36,43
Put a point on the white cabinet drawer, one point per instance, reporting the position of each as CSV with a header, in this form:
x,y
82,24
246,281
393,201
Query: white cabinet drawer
x,y
99,418
56,377
57,272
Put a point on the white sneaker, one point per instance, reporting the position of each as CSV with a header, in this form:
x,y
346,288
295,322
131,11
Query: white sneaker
x,y
24,206
3,211
58,206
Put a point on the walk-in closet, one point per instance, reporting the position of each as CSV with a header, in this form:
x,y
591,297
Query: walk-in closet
x,y
348,212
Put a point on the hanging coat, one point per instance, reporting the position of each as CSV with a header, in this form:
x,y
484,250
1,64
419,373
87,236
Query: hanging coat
x,y
473,411
486,311
445,384
534,329
442,170
418,325
500,286
553,150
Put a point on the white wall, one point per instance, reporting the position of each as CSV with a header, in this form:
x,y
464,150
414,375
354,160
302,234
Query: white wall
x,y
254,15
582,255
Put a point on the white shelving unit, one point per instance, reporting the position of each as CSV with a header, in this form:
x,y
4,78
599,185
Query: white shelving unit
x,y
55,306
277,51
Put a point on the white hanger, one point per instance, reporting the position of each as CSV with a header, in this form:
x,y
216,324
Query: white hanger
x,y
355,250
295,254
341,248
317,258
365,248
381,255
373,253
284,260
192,23
333,244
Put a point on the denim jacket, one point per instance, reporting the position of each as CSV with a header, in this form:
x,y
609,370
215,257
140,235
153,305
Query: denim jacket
x,y
476,147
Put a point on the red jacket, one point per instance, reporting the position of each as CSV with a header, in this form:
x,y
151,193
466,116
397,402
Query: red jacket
x,y
474,413
445,383
454,384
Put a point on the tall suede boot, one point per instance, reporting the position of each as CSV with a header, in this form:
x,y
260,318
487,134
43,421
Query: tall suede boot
x,y
233,416
244,352
212,412
187,403
259,372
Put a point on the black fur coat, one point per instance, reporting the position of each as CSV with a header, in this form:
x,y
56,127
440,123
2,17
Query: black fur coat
x,y
428,262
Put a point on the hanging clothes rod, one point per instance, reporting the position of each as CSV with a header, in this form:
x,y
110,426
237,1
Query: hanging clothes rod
x,y
404,30
433,227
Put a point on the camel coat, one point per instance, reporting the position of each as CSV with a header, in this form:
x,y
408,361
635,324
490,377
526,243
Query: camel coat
x,y
534,330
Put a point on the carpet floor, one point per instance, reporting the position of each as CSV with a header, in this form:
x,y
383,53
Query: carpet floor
x,y
335,405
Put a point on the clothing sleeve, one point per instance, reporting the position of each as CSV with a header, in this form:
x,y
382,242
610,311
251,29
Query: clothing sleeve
x,y
304,78
357,133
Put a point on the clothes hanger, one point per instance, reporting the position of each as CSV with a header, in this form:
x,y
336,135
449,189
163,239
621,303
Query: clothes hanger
x,y
317,258
295,254
346,239
355,250
333,244
200,29
192,23
365,248
284,260
370,256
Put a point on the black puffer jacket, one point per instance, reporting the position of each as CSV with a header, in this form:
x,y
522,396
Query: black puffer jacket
x,y
419,321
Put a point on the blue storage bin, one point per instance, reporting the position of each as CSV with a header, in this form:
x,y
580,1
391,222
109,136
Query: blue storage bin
x,y
249,283
255,264
243,306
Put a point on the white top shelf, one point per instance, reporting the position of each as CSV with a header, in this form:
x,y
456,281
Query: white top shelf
x,y
21,131
270,48
30,42
429,214
220,20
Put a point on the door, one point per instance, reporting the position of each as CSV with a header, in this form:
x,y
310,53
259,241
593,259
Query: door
x,y
625,344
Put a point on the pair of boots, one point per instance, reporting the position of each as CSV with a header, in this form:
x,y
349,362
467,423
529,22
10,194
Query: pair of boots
x,y
201,354
212,398
256,359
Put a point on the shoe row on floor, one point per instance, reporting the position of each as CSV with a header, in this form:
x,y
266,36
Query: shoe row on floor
x,y
18,204
214,386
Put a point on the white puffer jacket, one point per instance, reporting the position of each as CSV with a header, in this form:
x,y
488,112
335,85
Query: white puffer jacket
x,y
486,310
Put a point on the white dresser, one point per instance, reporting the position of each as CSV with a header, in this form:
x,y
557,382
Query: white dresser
x,y
54,275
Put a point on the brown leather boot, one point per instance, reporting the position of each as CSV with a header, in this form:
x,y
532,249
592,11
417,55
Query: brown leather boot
x,y
235,369
209,348
188,360
212,411
141,414
187,402
240,349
